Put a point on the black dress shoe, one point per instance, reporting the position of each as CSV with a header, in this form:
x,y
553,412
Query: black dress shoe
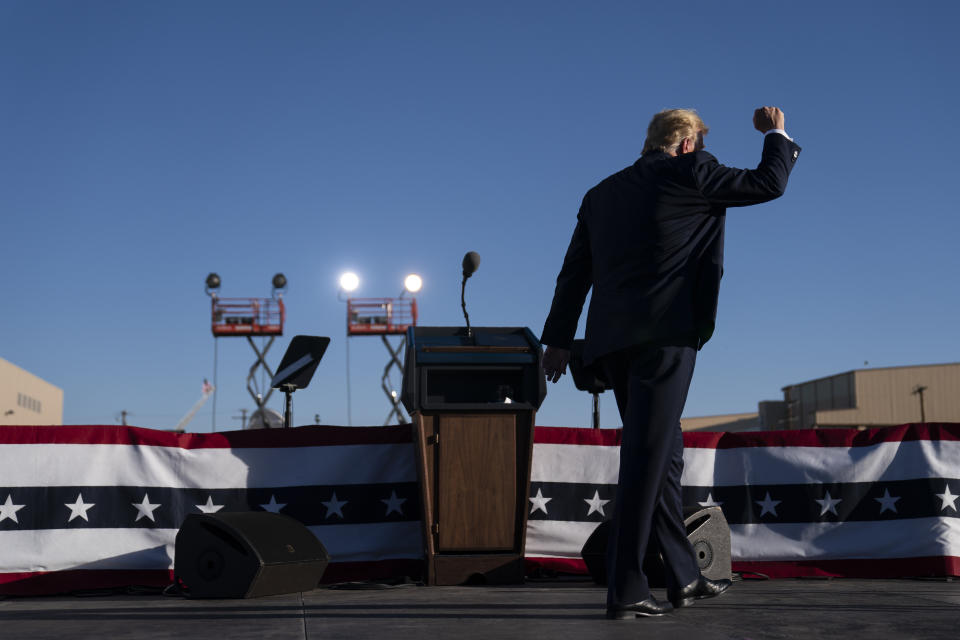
x,y
644,609
697,590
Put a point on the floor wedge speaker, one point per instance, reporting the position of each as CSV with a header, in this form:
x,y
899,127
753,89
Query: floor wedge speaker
x,y
247,555
707,531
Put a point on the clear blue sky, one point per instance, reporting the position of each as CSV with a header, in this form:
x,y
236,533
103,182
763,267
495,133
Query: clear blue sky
x,y
145,144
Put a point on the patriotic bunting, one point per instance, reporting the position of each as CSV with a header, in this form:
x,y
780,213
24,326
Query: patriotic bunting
x,y
880,502
109,501
96,506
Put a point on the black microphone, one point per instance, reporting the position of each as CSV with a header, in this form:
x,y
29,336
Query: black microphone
x,y
470,263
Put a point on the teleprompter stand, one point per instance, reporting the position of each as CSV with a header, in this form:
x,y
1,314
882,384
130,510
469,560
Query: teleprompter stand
x,y
296,369
473,400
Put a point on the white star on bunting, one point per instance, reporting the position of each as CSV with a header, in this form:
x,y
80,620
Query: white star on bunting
x,y
334,506
79,508
596,504
9,510
947,499
145,508
887,501
539,502
209,507
829,503
768,505
272,506
393,503
710,502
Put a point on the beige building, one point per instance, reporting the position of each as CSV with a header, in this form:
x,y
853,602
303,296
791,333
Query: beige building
x,y
725,422
862,398
27,399
871,398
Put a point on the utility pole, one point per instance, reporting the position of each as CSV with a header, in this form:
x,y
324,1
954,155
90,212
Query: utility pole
x,y
243,418
918,391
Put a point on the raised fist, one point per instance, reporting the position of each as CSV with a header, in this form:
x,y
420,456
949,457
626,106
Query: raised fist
x,y
766,118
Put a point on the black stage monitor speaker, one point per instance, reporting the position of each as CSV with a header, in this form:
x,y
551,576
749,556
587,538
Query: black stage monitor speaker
x,y
247,555
707,531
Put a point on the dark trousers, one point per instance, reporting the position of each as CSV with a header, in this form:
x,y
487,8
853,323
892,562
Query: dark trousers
x,y
651,386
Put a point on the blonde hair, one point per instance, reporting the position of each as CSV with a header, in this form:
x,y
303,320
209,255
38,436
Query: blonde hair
x,y
670,126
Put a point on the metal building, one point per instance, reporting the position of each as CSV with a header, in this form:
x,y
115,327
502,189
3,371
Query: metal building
x,y
862,398
724,422
865,398
26,399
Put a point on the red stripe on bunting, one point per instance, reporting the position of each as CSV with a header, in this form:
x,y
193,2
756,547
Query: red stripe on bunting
x,y
309,436
944,431
52,582
932,566
799,438
376,570
47,583
572,566
572,435
315,436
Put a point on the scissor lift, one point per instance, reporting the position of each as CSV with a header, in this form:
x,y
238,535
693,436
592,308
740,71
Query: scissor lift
x,y
250,317
384,317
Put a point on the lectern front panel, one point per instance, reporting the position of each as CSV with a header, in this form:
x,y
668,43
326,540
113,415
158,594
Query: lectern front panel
x,y
476,509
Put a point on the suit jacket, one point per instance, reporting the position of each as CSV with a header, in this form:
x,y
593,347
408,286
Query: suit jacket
x,y
649,240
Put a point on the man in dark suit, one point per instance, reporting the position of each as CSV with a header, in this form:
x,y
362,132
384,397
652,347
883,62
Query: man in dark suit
x,y
649,240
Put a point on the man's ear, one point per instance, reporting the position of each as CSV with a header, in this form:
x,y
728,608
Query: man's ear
x,y
687,145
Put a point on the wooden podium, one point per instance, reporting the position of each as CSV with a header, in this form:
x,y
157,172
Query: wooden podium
x,y
473,402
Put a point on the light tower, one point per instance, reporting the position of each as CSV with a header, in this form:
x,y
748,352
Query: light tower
x,y
383,317
249,317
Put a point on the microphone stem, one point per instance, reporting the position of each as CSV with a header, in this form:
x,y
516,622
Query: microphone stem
x,y
463,305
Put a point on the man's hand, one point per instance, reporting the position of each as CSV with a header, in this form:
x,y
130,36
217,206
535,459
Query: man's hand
x,y
555,362
766,118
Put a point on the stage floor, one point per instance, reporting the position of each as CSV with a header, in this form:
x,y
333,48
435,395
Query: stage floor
x,y
565,609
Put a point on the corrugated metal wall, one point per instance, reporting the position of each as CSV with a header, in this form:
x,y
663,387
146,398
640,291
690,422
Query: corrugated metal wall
x,y
876,397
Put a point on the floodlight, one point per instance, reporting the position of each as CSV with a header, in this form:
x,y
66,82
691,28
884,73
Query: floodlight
x,y
412,283
279,281
213,282
349,281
